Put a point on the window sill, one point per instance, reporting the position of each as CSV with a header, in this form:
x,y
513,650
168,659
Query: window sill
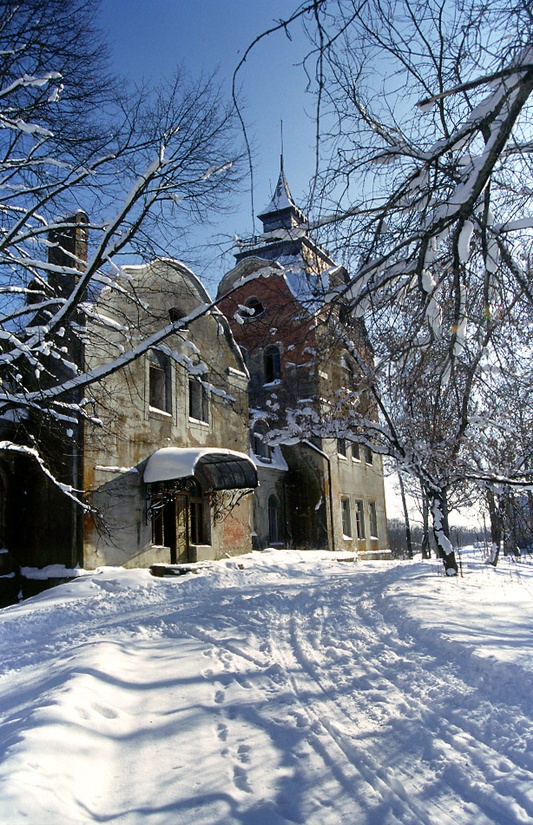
x,y
155,411
199,422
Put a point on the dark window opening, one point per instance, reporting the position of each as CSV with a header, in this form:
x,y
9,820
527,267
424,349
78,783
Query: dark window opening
x,y
160,378
176,314
261,449
373,519
360,519
273,520
346,518
254,306
272,359
198,400
341,447
157,527
369,458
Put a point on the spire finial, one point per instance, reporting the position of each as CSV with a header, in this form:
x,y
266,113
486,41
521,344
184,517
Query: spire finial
x,y
281,137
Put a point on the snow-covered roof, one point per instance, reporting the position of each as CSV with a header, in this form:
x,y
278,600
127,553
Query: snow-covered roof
x,y
214,467
282,198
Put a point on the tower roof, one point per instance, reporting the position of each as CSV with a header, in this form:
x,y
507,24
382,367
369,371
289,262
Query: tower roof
x,y
281,211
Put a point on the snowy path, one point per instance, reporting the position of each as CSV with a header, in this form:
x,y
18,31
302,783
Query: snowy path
x,y
287,691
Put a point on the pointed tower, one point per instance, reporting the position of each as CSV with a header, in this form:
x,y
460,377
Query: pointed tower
x,y
282,212
285,235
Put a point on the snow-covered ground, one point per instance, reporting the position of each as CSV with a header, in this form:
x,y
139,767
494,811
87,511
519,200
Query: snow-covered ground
x,y
278,687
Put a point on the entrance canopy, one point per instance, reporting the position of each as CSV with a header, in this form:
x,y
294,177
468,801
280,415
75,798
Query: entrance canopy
x,y
214,468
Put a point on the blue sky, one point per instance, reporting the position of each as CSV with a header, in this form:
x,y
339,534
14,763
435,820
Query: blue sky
x,y
149,38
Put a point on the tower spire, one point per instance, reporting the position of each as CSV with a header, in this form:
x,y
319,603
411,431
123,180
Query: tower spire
x,y
282,212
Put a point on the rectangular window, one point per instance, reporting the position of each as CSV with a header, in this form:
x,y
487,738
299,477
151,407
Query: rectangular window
x,y
341,447
369,456
198,401
196,521
157,527
160,396
356,451
346,517
360,519
373,519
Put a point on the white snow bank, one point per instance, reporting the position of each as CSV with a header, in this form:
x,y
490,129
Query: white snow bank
x,y
277,687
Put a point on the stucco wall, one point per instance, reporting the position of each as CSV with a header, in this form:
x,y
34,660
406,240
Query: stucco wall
x,y
131,430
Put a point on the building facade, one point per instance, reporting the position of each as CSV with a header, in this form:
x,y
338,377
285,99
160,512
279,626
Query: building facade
x,y
161,452
315,491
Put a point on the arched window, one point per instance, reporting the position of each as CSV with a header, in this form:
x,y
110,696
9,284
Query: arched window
x,y
261,449
177,314
273,520
272,364
254,306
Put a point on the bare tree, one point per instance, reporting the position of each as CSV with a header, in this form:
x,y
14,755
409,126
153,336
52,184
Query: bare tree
x,y
424,158
71,144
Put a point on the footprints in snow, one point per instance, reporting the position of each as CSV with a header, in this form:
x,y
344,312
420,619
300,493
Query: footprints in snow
x,y
239,754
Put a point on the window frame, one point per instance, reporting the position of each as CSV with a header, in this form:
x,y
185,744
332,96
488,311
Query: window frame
x,y
272,364
373,519
265,453
198,401
360,519
346,517
160,383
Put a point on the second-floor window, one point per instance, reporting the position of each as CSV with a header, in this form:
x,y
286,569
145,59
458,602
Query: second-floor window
x,y
198,401
160,382
272,362
342,447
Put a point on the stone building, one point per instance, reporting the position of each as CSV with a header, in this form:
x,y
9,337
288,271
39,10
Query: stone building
x,y
314,492
163,465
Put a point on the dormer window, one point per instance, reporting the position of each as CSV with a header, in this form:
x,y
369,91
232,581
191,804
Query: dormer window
x,y
176,314
272,364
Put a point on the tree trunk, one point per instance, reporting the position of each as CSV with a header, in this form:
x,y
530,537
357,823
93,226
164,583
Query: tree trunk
x,y
441,531
426,549
511,531
408,539
496,528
